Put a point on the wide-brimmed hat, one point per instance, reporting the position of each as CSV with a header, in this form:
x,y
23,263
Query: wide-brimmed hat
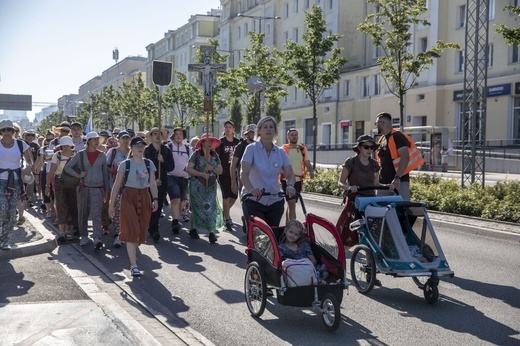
x,y
65,125
250,128
116,131
207,137
66,141
6,124
164,133
178,129
363,139
28,178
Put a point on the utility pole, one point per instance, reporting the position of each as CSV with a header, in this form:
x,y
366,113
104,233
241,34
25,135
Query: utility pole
x,y
473,118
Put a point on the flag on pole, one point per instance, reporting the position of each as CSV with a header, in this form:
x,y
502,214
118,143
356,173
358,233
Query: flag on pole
x,y
88,128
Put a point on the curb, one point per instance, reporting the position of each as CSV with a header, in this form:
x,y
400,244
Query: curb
x,y
44,245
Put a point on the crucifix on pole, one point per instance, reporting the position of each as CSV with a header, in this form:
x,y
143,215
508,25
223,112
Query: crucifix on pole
x,y
208,78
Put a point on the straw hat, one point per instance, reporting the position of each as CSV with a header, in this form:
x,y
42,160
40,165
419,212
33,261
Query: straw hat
x,y
164,133
65,125
205,137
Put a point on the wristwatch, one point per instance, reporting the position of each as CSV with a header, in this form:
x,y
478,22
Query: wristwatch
x,y
397,177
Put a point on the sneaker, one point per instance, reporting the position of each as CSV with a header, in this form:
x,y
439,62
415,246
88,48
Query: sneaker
x,y
117,243
212,238
135,271
229,225
21,220
61,238
5,246
176,228
162,215
68,236
156,237
194,234
98,244
83,241
106,231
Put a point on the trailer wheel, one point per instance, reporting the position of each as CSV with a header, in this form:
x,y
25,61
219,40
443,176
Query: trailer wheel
x,y
363,268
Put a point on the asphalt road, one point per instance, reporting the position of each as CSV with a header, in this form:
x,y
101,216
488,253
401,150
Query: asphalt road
x,y
193,283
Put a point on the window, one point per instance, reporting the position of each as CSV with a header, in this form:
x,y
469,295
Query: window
x,y
346,88
246,29
267,30
239,7
296,4
516,120
377,84
305,95
420,97
306,4
514,55
365,85
461,16
239,33
295,94
423,45
460,61
285,10
491,9
490,55
376,53
331,4
286,36
295,35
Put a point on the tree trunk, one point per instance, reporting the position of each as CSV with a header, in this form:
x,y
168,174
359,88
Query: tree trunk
x,y
315,133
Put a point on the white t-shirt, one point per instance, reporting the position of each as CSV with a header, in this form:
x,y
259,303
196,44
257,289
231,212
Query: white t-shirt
x,y
10,158
61,163
180,157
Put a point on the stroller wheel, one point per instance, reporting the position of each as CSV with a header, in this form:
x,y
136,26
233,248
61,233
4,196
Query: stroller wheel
x,y
431,292
331,315
363,268
255,289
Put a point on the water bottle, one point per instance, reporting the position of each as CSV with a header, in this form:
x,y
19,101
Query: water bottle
x,y
318,275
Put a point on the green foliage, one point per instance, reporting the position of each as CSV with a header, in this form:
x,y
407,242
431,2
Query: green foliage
x,y
46,125
511,35
274,110
315,65
236,116
391,30
497,202
184,102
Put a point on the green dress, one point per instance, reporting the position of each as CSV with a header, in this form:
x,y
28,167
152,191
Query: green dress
x,y
207,213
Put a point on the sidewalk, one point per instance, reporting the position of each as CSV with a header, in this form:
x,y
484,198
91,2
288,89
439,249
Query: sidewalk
x,y
50,296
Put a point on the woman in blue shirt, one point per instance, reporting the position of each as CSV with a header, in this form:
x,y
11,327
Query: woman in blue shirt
x,y
261,166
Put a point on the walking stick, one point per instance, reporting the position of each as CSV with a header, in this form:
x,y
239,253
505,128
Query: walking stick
x,y
207,108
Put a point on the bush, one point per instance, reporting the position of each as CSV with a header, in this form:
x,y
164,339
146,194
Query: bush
x,y
497,202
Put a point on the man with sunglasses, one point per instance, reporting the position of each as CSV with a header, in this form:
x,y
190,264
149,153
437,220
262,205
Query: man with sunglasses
x,y
11,172
397,155
297,153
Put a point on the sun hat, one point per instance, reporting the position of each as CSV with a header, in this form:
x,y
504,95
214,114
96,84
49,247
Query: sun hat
x,y
205,137
363,139
137,140
164,133
123,134
28,178
178,129
66,140
91,135
65,125
6,124
250,128
116,131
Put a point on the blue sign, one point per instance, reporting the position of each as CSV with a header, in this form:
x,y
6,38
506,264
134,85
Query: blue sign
x,y
498,90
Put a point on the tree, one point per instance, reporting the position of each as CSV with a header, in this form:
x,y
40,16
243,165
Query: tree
x,y
236,114
185,101
315,65
51,120
390,29
511,35
257,61
274,110
138,104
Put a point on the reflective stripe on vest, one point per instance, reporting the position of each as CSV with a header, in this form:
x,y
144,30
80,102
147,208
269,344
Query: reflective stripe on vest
x,y
415,156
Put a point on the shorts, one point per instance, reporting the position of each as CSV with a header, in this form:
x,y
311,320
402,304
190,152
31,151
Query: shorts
x,y
177,187
297,187
225,187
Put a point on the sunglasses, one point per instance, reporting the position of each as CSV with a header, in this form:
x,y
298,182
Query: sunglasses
x,y
366,147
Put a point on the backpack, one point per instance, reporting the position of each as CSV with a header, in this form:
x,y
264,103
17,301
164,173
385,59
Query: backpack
x,y
20,146
127,172
299,272
67,180
170,145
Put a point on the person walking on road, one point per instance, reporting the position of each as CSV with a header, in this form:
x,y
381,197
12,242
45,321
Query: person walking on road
x,y
135,181
297,153
162,158
178,177
11,172
262,164
225,151
397,155
203,168
92,189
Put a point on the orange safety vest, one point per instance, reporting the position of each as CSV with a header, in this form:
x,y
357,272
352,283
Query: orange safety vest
x,y
303,151
415,154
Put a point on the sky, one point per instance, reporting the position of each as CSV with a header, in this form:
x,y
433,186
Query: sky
x,y
49,48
